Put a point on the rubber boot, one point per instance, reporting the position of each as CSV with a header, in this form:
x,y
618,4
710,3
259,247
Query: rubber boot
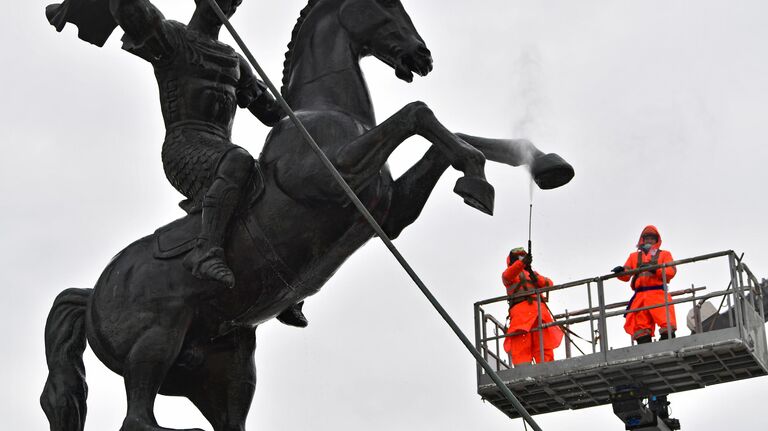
x,y
644,339
206,261
664,335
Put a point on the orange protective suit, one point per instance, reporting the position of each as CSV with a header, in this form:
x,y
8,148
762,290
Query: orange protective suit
x,y
523,316
649,290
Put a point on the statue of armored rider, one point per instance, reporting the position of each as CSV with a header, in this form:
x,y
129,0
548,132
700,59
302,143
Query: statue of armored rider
x,y
201,82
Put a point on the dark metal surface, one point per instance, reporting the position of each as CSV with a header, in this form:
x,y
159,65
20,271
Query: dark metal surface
x,y
168,326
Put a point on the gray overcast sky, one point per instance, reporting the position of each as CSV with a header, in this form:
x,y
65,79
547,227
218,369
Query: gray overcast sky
x,y
659,105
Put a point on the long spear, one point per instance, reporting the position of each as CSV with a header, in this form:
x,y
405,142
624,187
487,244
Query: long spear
x,y
369,218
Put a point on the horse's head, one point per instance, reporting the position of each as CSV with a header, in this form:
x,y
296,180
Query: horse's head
x,y
382,28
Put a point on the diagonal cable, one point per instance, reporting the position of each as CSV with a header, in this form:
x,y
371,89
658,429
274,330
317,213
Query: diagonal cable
x,y
369,218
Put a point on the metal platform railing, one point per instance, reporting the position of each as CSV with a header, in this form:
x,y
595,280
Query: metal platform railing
x,y
686,362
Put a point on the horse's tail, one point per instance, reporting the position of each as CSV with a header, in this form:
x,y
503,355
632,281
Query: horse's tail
x,y
65,392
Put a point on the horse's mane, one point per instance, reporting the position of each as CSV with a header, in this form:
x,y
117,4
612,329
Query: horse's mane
x,y
288,63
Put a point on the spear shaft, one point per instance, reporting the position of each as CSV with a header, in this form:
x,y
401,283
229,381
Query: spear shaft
x,y
505,391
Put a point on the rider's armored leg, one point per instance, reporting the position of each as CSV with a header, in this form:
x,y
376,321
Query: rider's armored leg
x,y
206,260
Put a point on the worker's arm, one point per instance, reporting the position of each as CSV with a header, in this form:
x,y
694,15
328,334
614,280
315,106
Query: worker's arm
x,y
512,272
628,266
666,257
543,281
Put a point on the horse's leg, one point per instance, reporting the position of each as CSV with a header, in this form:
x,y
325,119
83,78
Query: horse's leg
x,y
548,170
224,385
147,364
411,191
513,152
362,158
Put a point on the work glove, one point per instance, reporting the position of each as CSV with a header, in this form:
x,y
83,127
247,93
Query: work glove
x,y
527,260
618,269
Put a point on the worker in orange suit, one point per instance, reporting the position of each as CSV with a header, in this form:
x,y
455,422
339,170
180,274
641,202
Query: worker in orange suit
x,y
523,347
648,287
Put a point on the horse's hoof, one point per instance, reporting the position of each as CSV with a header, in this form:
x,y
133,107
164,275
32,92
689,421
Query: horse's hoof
x,y
476,193
550,171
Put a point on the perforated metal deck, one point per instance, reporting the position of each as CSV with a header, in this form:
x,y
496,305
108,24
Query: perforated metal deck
x,y
664,367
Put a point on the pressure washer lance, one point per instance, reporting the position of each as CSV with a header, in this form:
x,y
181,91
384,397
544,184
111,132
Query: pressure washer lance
x,y
545,296
530,270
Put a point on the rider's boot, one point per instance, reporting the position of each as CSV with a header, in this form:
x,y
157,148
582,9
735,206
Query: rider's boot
x,y
293,316
206,261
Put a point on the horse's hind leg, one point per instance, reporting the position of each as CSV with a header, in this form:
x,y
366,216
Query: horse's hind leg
x,y
362,158
222,389
147,364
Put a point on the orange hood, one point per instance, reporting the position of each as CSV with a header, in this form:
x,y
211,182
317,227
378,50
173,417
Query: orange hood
x,y
650,229
517,251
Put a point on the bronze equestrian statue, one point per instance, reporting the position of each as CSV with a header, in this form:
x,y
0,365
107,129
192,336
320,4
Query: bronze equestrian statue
x,y
169,331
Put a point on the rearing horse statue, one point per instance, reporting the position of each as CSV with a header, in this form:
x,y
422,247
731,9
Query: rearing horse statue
x,y
165,331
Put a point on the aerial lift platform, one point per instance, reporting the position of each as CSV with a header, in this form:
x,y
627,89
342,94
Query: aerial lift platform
x,y
627,376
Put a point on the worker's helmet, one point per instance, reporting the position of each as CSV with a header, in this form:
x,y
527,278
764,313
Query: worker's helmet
x,y
516,252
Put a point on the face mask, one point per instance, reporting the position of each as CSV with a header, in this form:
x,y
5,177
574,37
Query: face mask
x,y
646,247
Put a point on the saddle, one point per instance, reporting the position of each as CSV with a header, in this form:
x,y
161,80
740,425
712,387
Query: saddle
x,y
179,236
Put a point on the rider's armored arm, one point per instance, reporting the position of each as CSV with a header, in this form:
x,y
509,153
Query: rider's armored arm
x,y
253,94
142,23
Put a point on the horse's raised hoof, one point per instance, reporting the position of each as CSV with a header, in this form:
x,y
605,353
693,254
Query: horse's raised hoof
x,y
476,193
551,171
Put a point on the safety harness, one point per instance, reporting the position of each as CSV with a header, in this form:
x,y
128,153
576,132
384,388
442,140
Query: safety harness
x,y
654,261
523,285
